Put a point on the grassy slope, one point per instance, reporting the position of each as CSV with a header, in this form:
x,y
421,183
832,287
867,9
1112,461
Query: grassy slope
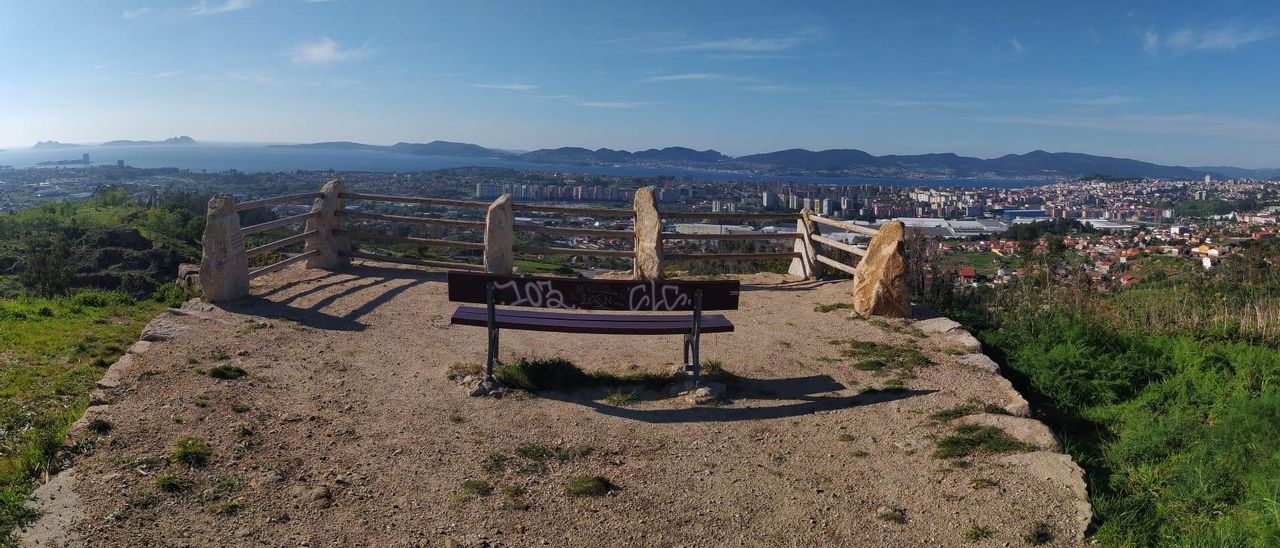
x,y
51,353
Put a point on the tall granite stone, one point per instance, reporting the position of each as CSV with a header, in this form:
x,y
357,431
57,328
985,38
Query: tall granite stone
x,y
334,249
648,246
880,280
499,236
224,267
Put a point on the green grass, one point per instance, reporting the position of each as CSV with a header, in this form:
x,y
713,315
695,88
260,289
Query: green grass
x,y
977,532
587,486
876,357
825,308
51,353
171,483
622,398
191,451
479,488
966,409
971,439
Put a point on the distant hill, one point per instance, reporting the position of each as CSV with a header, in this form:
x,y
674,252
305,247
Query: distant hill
x,y
1260,173
669,155
183,140
434,148
53,144
832,162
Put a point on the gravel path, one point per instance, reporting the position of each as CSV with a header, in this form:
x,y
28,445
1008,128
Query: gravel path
x,y
346,431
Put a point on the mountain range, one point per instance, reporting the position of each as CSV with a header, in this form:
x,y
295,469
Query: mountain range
x,y
833,162
182,140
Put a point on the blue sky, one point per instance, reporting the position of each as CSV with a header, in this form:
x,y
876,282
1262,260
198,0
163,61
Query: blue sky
x,y
1187,83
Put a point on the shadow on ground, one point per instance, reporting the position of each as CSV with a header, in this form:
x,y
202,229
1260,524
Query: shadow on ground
x,y
807,393
314,314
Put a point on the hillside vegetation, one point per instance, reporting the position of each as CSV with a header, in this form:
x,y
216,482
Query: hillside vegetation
x,y
1166,393
78,281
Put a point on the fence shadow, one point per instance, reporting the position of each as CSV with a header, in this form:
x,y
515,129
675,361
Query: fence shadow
x,y
314,315
805,392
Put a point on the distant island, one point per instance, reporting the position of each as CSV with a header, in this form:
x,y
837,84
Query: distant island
x,y
53,144
183,140
1037,164
434,148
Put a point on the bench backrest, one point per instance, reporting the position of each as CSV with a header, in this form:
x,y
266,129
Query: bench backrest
x,y
584,294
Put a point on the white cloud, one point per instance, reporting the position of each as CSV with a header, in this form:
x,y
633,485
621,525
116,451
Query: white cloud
x,y
203,8
1151,42
746,44
1015,44
693,77
1104,101
164,74
326,52
1221,37
251,76
135,12
616,104
508,87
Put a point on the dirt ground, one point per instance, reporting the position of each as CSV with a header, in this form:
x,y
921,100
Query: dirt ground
x,y
346,431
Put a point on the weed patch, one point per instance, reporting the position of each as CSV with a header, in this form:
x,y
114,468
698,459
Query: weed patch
x,y
971,439
587,486
191,451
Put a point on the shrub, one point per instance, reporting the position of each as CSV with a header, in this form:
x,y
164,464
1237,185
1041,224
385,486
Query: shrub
x,y
191,451
227,372
587,486
99,298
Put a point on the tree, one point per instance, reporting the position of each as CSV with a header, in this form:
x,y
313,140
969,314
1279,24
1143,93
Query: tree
x,y
47,269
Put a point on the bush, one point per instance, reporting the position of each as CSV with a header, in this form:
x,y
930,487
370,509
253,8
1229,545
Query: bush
x,y
588,486
99,298
191,451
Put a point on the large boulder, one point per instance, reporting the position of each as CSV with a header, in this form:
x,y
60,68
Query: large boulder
x,y
880,281
499,236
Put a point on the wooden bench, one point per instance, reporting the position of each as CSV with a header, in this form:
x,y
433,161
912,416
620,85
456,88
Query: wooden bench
x,y
664,307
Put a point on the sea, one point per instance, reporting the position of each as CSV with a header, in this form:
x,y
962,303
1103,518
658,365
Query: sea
x,y
255,158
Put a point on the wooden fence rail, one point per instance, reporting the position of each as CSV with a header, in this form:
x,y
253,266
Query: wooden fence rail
x,y
331,228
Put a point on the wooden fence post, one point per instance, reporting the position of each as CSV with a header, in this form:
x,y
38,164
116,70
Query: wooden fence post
x,y
805,266
224,267
499,236
648,228
334,249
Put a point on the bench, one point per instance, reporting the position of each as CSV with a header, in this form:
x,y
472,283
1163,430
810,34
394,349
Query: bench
x,y
558,305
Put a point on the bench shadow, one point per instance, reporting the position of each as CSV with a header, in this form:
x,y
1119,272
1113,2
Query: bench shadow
x,y
807,393
801,285
314,316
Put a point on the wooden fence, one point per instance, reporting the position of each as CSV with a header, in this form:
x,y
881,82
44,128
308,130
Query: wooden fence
x,y
330,228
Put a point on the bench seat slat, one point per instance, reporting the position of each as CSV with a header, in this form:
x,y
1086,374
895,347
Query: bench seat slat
x,y
602,324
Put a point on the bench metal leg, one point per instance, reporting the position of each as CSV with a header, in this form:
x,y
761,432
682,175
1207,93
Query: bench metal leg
x,y
493,354
695,337
688,343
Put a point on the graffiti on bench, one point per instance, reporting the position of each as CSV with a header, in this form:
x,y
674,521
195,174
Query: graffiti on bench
x,y
583,294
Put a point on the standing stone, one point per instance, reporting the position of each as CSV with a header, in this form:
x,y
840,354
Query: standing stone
x,y
648,261
805,266
499,236
335,249
224,267
880,281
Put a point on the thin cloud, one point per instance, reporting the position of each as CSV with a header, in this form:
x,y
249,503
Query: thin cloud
x,y
1221,37
164,74
1151,42
203,8
325,51
693,77
135,12
508,87
1016,45
1159,124
252,76
914,103
616,104
1104,101
745,44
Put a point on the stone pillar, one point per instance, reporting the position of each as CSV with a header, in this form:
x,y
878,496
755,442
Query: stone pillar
x,y
805,266
648,247
224,267
334,249
880,281
499,236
